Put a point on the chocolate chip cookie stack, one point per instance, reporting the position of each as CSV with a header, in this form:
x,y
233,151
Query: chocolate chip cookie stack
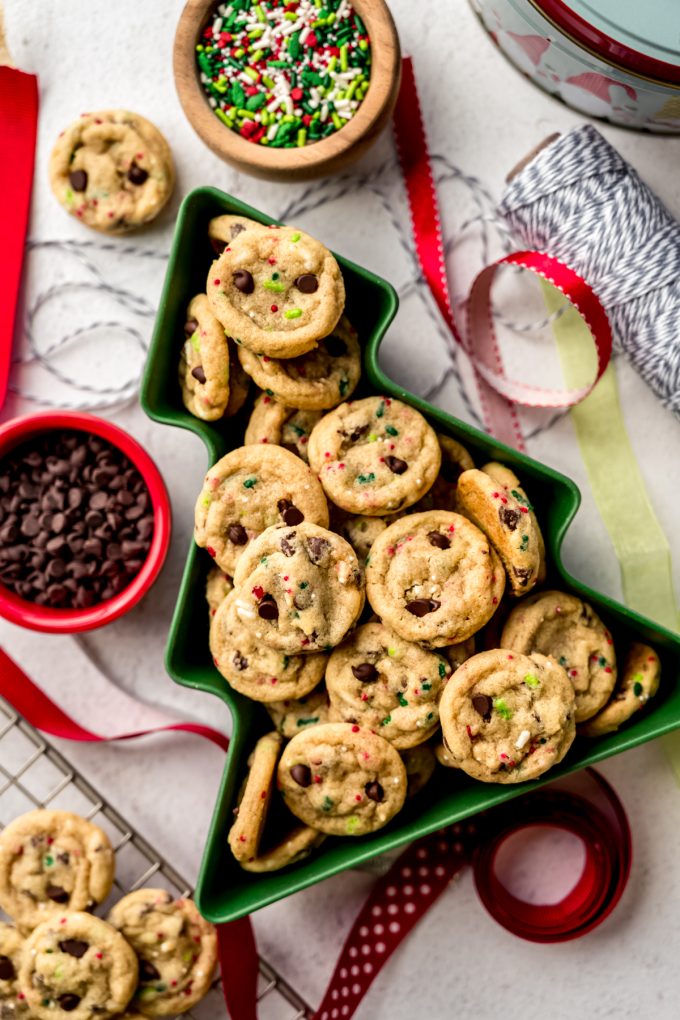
x,y
153,956
332,503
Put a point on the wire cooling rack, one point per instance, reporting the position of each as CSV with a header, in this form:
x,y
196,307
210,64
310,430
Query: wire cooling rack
x,y
33,775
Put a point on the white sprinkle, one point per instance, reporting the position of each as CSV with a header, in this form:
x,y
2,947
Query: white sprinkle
x,y
523,738
245,614
212,102
271,133
217,25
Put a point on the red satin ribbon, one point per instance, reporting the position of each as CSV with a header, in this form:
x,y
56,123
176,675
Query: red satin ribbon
x,y
18,125
497,394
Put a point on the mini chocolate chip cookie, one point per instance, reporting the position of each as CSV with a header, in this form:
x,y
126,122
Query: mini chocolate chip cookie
x,y
508,717
113,170
176,948
456,655
342,780
13,1005
249,490
420,764
290,849
251,667
276,291
562,626
52,861
204,362
217,587
444,756
277,425
494,500
296,714
392,686
251,813
433,578
455,460
315,381
374,456
299,589
76,965
222,230
359,530
639,681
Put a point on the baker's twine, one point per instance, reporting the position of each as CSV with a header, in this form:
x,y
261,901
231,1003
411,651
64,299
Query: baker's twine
x,y
581,202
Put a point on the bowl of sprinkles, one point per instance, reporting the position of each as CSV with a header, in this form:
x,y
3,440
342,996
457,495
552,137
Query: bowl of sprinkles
x,y
287,90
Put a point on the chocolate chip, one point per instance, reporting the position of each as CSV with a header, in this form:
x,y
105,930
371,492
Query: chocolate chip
x,y
236,229
57,894
335,346
268,608
317,548
137,174
240,661
365,673
243,281
147,971
69,1001
522,574
74,947
190,327
374,791
421,607
482,705
7,971
290,513
287,547
237,534
357,433
78,180
199,374
396,465
509,517
301,774
438,540
307,283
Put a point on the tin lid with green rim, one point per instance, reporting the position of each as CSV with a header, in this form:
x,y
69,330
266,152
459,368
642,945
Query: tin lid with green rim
x,y
643,38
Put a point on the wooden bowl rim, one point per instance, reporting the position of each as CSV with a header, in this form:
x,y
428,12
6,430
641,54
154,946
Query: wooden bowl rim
x,y
385,70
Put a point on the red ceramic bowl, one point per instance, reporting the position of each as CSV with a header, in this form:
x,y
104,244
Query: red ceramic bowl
x,y
68,621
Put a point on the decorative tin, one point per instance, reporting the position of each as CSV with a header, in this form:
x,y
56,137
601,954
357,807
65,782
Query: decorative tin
x,y
615,59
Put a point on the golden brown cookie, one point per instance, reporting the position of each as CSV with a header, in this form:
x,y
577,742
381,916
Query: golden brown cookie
x,y
222,230
638,682
204,363
277,425
246,832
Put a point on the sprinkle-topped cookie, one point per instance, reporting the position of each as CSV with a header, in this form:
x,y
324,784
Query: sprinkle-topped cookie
x,y
342,779
13,1005
433,578
222,230
557,624
318,380
374,456
284,74
392,686
299,589
204,362
296,714
639,680
251,813
52,861
112,170
507,717
177,950
276,291
248,490
251,667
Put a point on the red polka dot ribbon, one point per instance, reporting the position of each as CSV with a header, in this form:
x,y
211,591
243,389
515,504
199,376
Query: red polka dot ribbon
x,y
498,395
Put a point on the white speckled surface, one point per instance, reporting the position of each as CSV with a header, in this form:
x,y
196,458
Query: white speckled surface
x,y
483,116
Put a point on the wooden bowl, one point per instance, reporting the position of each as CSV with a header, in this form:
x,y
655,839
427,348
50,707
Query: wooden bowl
x,y
327,156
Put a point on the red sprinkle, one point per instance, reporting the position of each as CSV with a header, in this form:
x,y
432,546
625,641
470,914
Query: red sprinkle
x,y
216,283
274,308
211,551
258,591
318,779
355,729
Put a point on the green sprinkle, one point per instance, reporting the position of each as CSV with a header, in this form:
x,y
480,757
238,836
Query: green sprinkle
x,y
430,715
286,661
366,479
223,117
48,861
502,708
352,824
391,431
295,238
442,670
327,804
531,681
344,64
278,288
293,313
563,661
255,102
69,195
270,393
386,721
308,722
524,545
249,483
303,585
521,499
402,700
637,689
207,500
602,661
381,409
427,686
195,340
372,437
264,560
342,386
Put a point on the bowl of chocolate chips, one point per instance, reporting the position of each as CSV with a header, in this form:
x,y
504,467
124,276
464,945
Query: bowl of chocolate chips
x,y
84,522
